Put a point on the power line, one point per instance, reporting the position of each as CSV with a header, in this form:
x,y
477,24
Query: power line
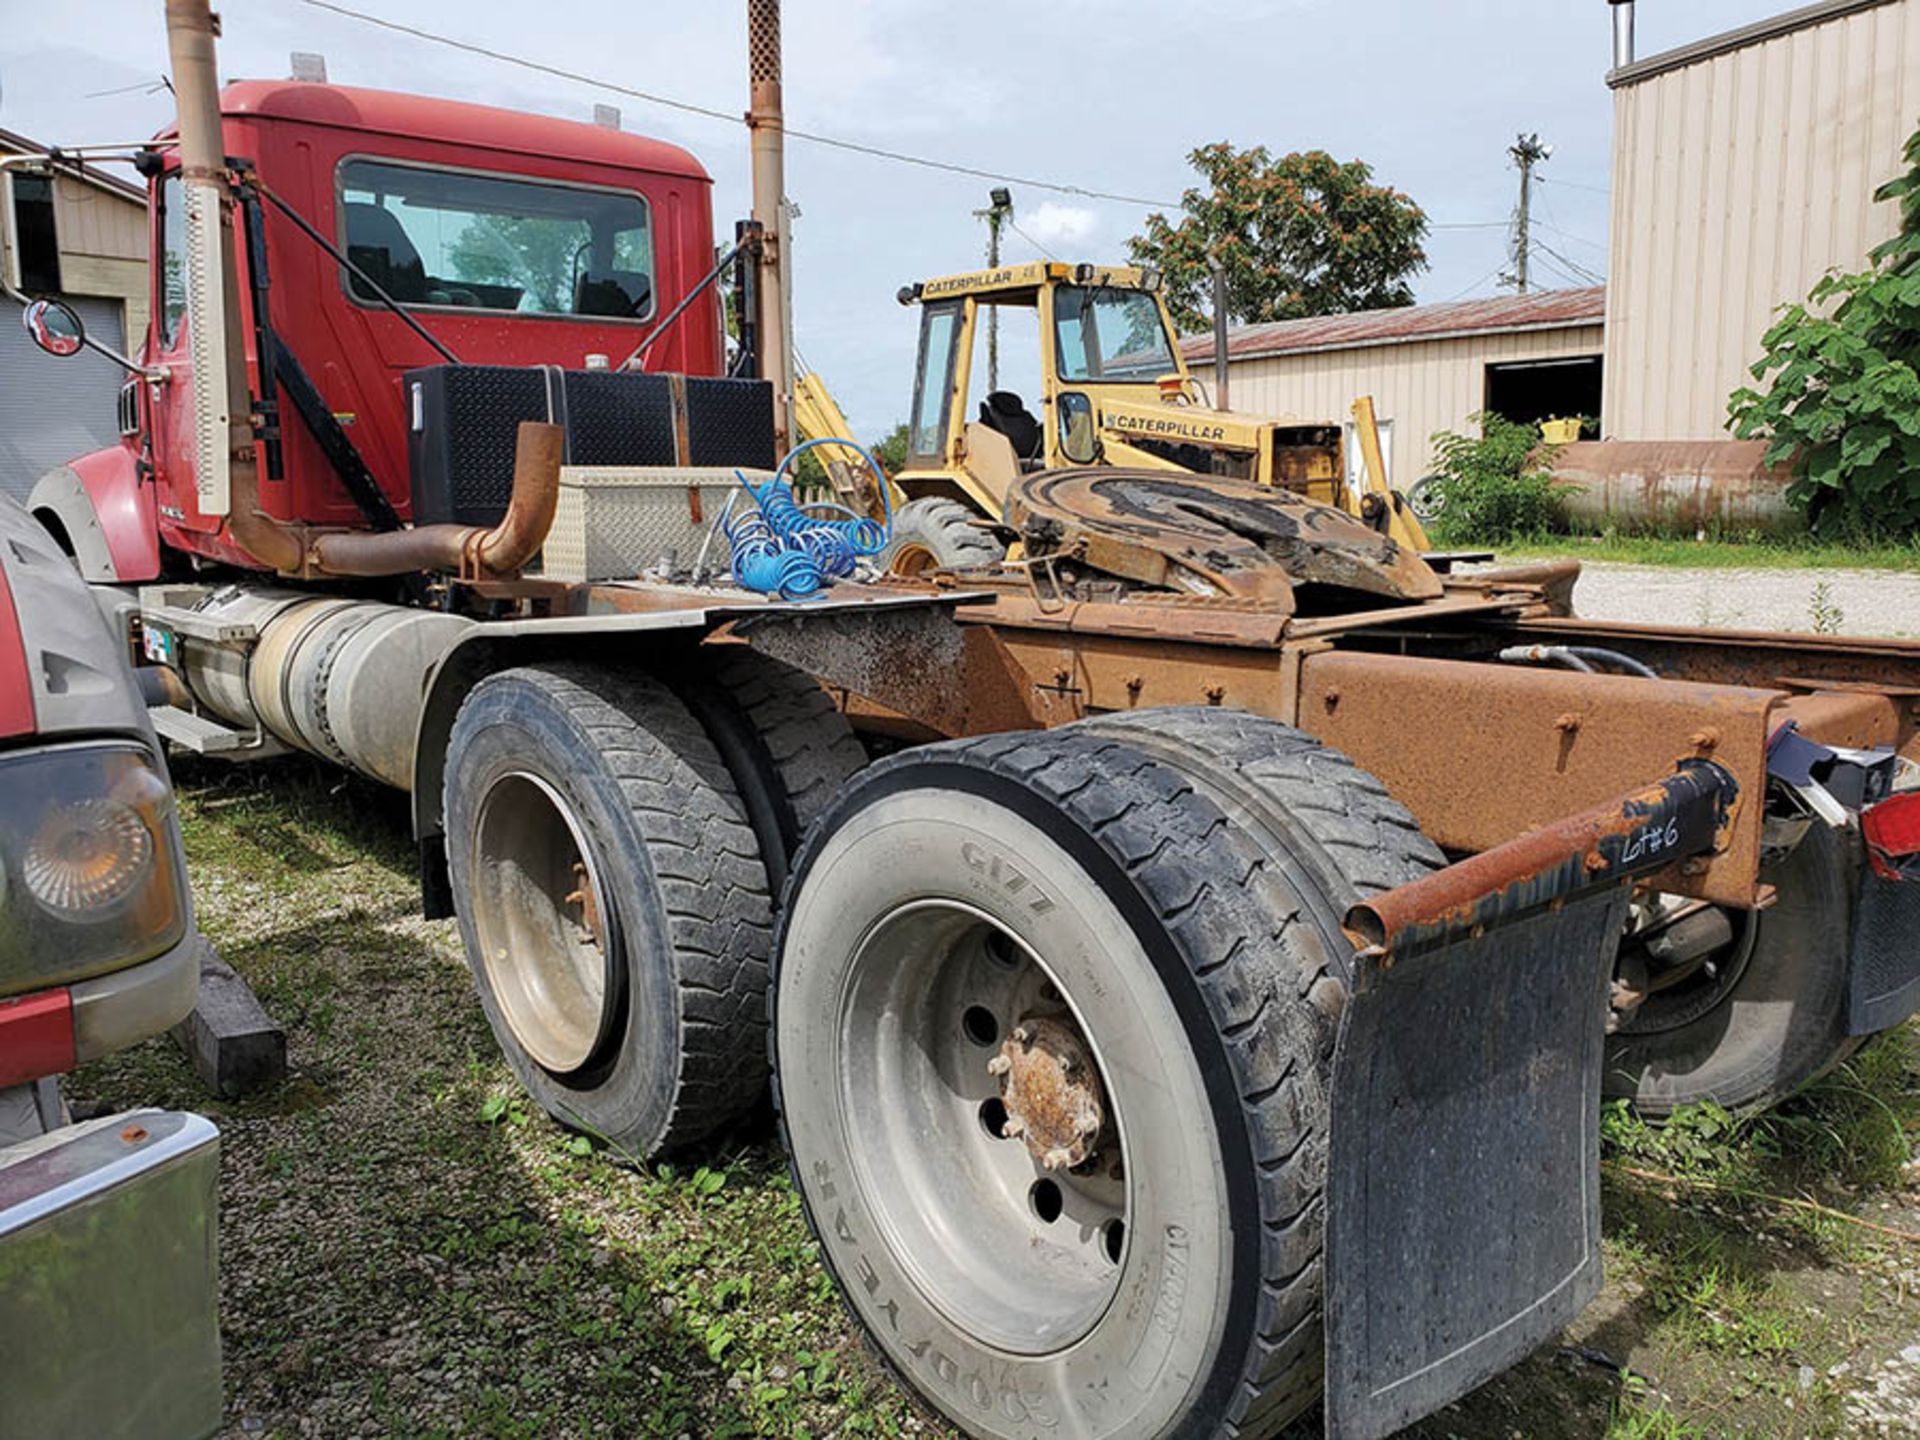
x,y
1493,274
1565,234
1572,268
1575,185
1014,226
712,113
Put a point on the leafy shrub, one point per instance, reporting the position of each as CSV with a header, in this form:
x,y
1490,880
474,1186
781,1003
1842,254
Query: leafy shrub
x,y
1494,488
1843,404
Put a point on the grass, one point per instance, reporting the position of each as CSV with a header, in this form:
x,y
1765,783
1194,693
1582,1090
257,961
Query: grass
x,y
1754,552
410,1249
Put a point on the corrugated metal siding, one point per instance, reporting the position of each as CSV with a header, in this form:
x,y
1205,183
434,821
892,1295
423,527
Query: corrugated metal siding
x,y
52,410
93,221
1738,180
1422,387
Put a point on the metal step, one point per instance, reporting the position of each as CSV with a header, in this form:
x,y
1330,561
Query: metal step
x,y
196,626
205,736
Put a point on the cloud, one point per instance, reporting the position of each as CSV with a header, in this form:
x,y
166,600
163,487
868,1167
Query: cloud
x,y
1054,224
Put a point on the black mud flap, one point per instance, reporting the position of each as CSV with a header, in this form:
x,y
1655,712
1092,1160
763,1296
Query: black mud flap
x,y
1883,972
1463,1202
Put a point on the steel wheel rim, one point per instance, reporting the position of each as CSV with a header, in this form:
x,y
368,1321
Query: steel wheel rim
x,y
1697,994
956,1202
911,560
541,923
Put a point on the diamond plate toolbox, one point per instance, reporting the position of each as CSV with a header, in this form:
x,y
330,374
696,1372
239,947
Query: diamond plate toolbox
x,y
616,522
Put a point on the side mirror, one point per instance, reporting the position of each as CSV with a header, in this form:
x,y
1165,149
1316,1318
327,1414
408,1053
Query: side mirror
x,y
1077,440
55,327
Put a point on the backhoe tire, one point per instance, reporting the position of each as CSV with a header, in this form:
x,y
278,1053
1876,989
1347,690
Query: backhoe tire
x,y
1779,1022
613,902
938,534
989,892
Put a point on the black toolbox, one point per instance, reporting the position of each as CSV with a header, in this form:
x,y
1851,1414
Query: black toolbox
x,y
463,420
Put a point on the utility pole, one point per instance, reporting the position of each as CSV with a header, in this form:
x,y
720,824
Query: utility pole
x,y
1527,152
998,212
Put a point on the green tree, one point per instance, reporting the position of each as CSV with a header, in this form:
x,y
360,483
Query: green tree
x,y
1299,235
1842,403
891,452
537,254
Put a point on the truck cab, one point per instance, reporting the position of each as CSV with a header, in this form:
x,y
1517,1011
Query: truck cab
x,y
509,240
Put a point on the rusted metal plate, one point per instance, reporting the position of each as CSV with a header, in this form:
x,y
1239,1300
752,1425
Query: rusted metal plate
x,y
956,680
1483,753
1463,1185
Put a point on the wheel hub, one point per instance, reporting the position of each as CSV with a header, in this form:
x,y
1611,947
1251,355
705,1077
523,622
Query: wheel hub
x,y
1051,1090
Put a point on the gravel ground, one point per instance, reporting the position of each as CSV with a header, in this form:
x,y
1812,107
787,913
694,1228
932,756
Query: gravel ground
x,y
1841,602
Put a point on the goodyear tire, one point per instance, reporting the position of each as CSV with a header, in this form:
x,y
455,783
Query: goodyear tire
x,y
613,902
1779,1018
981,900
938,534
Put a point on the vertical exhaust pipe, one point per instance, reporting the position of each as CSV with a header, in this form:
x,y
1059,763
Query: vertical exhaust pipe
x,y
766,121
1622,33
224,472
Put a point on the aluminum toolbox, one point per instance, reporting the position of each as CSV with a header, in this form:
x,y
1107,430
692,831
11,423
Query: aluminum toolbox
x,y
619,522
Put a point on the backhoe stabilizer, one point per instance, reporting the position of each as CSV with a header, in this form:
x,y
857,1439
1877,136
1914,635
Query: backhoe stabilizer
x,y
1463,1210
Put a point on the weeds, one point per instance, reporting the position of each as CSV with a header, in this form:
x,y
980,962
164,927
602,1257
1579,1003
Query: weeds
x,y
1731,550
1825,615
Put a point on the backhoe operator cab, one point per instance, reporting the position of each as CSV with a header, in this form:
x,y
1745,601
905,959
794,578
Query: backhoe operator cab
x,y
1113,391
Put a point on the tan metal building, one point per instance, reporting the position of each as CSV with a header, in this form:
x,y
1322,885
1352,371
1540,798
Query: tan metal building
x,y
85,241
1427,367
1744,168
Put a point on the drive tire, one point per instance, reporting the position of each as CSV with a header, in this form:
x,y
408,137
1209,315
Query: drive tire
x,y
938,534
1192,940
1782,1021
653,1036
797,738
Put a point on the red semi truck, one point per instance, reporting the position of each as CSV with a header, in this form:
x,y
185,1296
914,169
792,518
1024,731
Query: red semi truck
x,y
1137,1068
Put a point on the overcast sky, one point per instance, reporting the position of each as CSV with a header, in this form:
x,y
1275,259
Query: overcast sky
x,y
1105,96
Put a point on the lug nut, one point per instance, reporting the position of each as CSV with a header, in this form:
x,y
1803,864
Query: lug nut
x,y
1089,1127
1014,1128
1056,1160
999,1065
1023,1035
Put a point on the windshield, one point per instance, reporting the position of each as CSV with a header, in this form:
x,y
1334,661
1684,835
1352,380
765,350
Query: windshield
x,y
1108,334
487,242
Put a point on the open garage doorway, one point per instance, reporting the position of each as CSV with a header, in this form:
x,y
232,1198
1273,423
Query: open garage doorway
x,y
1529,391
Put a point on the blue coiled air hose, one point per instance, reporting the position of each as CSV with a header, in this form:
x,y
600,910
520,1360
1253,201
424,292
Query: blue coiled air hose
x,y
777,548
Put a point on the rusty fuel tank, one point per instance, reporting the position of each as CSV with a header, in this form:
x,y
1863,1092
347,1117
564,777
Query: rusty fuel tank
x,y
1675,487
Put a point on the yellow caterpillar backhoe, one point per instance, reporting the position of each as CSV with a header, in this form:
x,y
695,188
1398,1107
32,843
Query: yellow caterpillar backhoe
x,y
1113,391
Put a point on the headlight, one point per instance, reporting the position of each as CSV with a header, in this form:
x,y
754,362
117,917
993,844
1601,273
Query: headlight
x,y
89,864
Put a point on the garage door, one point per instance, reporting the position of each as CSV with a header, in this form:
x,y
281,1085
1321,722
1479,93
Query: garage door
x,y
52,410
